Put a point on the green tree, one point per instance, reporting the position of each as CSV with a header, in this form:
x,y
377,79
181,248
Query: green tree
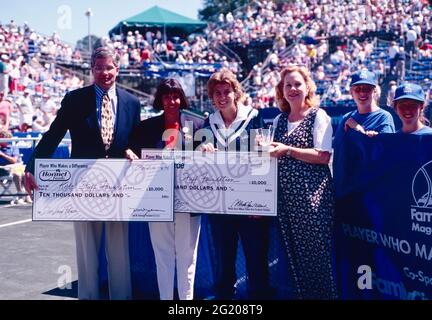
x,y
212,8
83,44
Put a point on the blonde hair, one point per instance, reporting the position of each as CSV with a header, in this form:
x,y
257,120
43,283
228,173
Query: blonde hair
x,y
224,75
311,100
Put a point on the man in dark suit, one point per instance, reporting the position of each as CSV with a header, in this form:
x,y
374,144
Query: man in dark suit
x,y
95,135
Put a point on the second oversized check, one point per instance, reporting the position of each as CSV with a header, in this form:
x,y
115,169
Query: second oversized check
x,y
239,183
103,190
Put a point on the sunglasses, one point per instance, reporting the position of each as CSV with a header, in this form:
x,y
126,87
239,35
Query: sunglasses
x,y
365,89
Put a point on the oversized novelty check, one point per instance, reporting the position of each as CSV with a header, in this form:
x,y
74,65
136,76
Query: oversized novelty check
x,y
103,190
239,183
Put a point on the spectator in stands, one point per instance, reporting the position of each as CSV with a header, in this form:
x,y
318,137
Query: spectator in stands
x,y
334,93
312,53
158,36
279,43
170,53
426,49
26,111
409,104
391,93
392,51
145,55
319,73
3,121
305,187
149,37
257,74
10,164
76,57
400,64
5,110
231,125
411,38
175,244
4,73
379,70
273,60
338,57
45,114
58,76
48,105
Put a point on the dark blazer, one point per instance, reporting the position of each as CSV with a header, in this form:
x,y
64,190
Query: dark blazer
x,y
78,115
148,135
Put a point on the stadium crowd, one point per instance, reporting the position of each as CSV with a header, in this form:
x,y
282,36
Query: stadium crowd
x,y
31,83
353,26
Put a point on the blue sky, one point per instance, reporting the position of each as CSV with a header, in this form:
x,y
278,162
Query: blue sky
x,y
67,17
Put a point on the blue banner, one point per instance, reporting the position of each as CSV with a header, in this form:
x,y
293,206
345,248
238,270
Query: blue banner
x,y
384,217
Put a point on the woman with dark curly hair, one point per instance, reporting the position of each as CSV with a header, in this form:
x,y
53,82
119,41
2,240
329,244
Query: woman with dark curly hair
x,y
175,244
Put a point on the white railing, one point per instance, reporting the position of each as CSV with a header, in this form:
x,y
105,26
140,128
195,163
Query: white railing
x,y
29,142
